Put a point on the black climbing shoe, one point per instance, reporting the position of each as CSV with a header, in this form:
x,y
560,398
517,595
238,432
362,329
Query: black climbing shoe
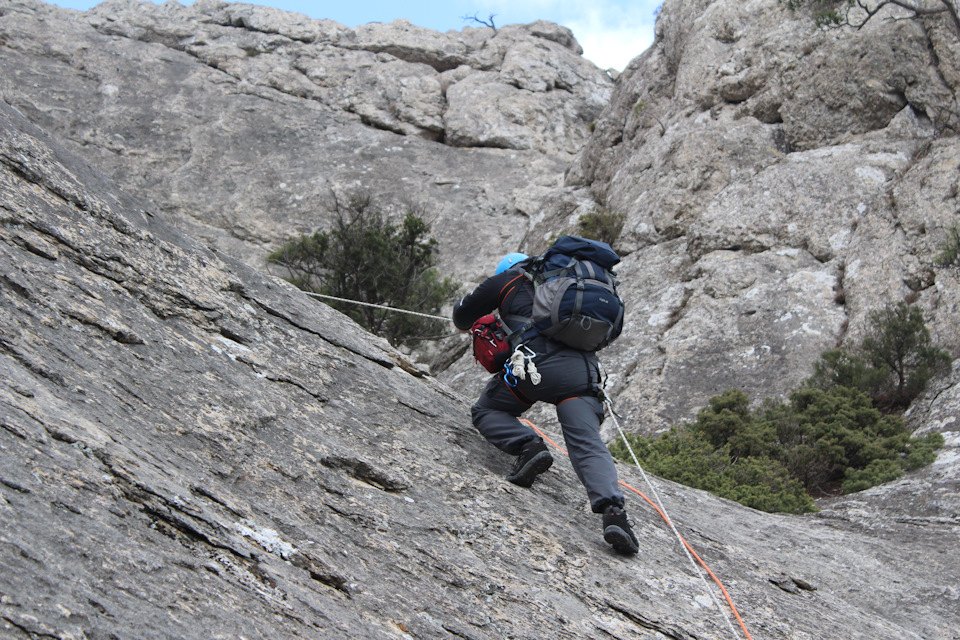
x,y
533,460
617,531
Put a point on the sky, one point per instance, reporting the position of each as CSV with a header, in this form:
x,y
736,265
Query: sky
x,y
611,32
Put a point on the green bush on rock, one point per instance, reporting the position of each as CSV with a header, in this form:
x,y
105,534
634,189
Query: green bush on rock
x,y
366,258
779,456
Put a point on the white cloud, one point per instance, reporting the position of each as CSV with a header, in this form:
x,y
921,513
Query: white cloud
x,y
609,43
611,32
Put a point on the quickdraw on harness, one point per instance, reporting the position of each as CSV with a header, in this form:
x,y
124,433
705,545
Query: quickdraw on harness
x,y
575,303
520,365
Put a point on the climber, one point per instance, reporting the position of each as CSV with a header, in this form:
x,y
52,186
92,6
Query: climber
x,y
568,378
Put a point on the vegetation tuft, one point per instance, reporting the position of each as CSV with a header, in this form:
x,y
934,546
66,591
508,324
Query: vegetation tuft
x,y
836,434
949,255
892,364
366,258
602,225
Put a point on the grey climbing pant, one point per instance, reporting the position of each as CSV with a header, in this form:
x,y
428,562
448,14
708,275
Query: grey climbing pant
x,y
569,381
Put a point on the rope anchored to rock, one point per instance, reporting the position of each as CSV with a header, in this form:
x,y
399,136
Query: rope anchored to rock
x,y
377,306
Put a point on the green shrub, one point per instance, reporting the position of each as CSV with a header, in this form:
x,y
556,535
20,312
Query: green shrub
x,y
601,225
729,422
366,258
836,433
840,368
949,255
922,451
681,456
778,456
877,472
764,484
892,364
839,429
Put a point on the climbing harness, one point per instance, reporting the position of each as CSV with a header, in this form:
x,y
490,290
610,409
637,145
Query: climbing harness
x,y
377,306
660,509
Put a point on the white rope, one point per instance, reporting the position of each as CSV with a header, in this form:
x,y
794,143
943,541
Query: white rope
x,y
522,364
656,497
378,306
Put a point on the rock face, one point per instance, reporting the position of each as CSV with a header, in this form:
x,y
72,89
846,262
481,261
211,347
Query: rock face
x,y
192,449
243,122
779,184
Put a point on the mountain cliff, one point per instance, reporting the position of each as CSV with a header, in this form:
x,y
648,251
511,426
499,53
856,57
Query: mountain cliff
x,y
193,448
779,184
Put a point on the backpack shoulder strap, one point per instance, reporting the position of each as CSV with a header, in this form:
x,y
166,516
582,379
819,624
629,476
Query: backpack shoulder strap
x,y
505,299
510,289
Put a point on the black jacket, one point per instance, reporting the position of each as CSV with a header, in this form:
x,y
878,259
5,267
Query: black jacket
x,y
510,293
511,287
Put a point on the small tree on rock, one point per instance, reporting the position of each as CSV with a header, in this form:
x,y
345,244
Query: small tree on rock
x,y
892,364
366,258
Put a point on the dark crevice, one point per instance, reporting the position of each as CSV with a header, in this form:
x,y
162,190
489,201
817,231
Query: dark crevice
x,y
240,22
122,336
382,126
781,141
12,429
367,473
422,412
358,518
676,314
792,585
33,367
839,292
28,632
17,287
10,484
479,144
458,633
414,56
669,631
168,517
331,580
206,493
233,335
319,571
313,394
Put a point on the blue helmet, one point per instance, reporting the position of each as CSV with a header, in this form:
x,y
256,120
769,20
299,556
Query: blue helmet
x,y
508,261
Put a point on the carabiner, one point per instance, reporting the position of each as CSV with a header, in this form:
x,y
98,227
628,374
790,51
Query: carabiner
x,y
508,376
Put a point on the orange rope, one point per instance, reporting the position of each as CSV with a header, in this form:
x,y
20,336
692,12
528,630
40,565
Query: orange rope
x,y
703,564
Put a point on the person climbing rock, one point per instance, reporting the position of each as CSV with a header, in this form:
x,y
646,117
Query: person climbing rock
x,y
544,369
